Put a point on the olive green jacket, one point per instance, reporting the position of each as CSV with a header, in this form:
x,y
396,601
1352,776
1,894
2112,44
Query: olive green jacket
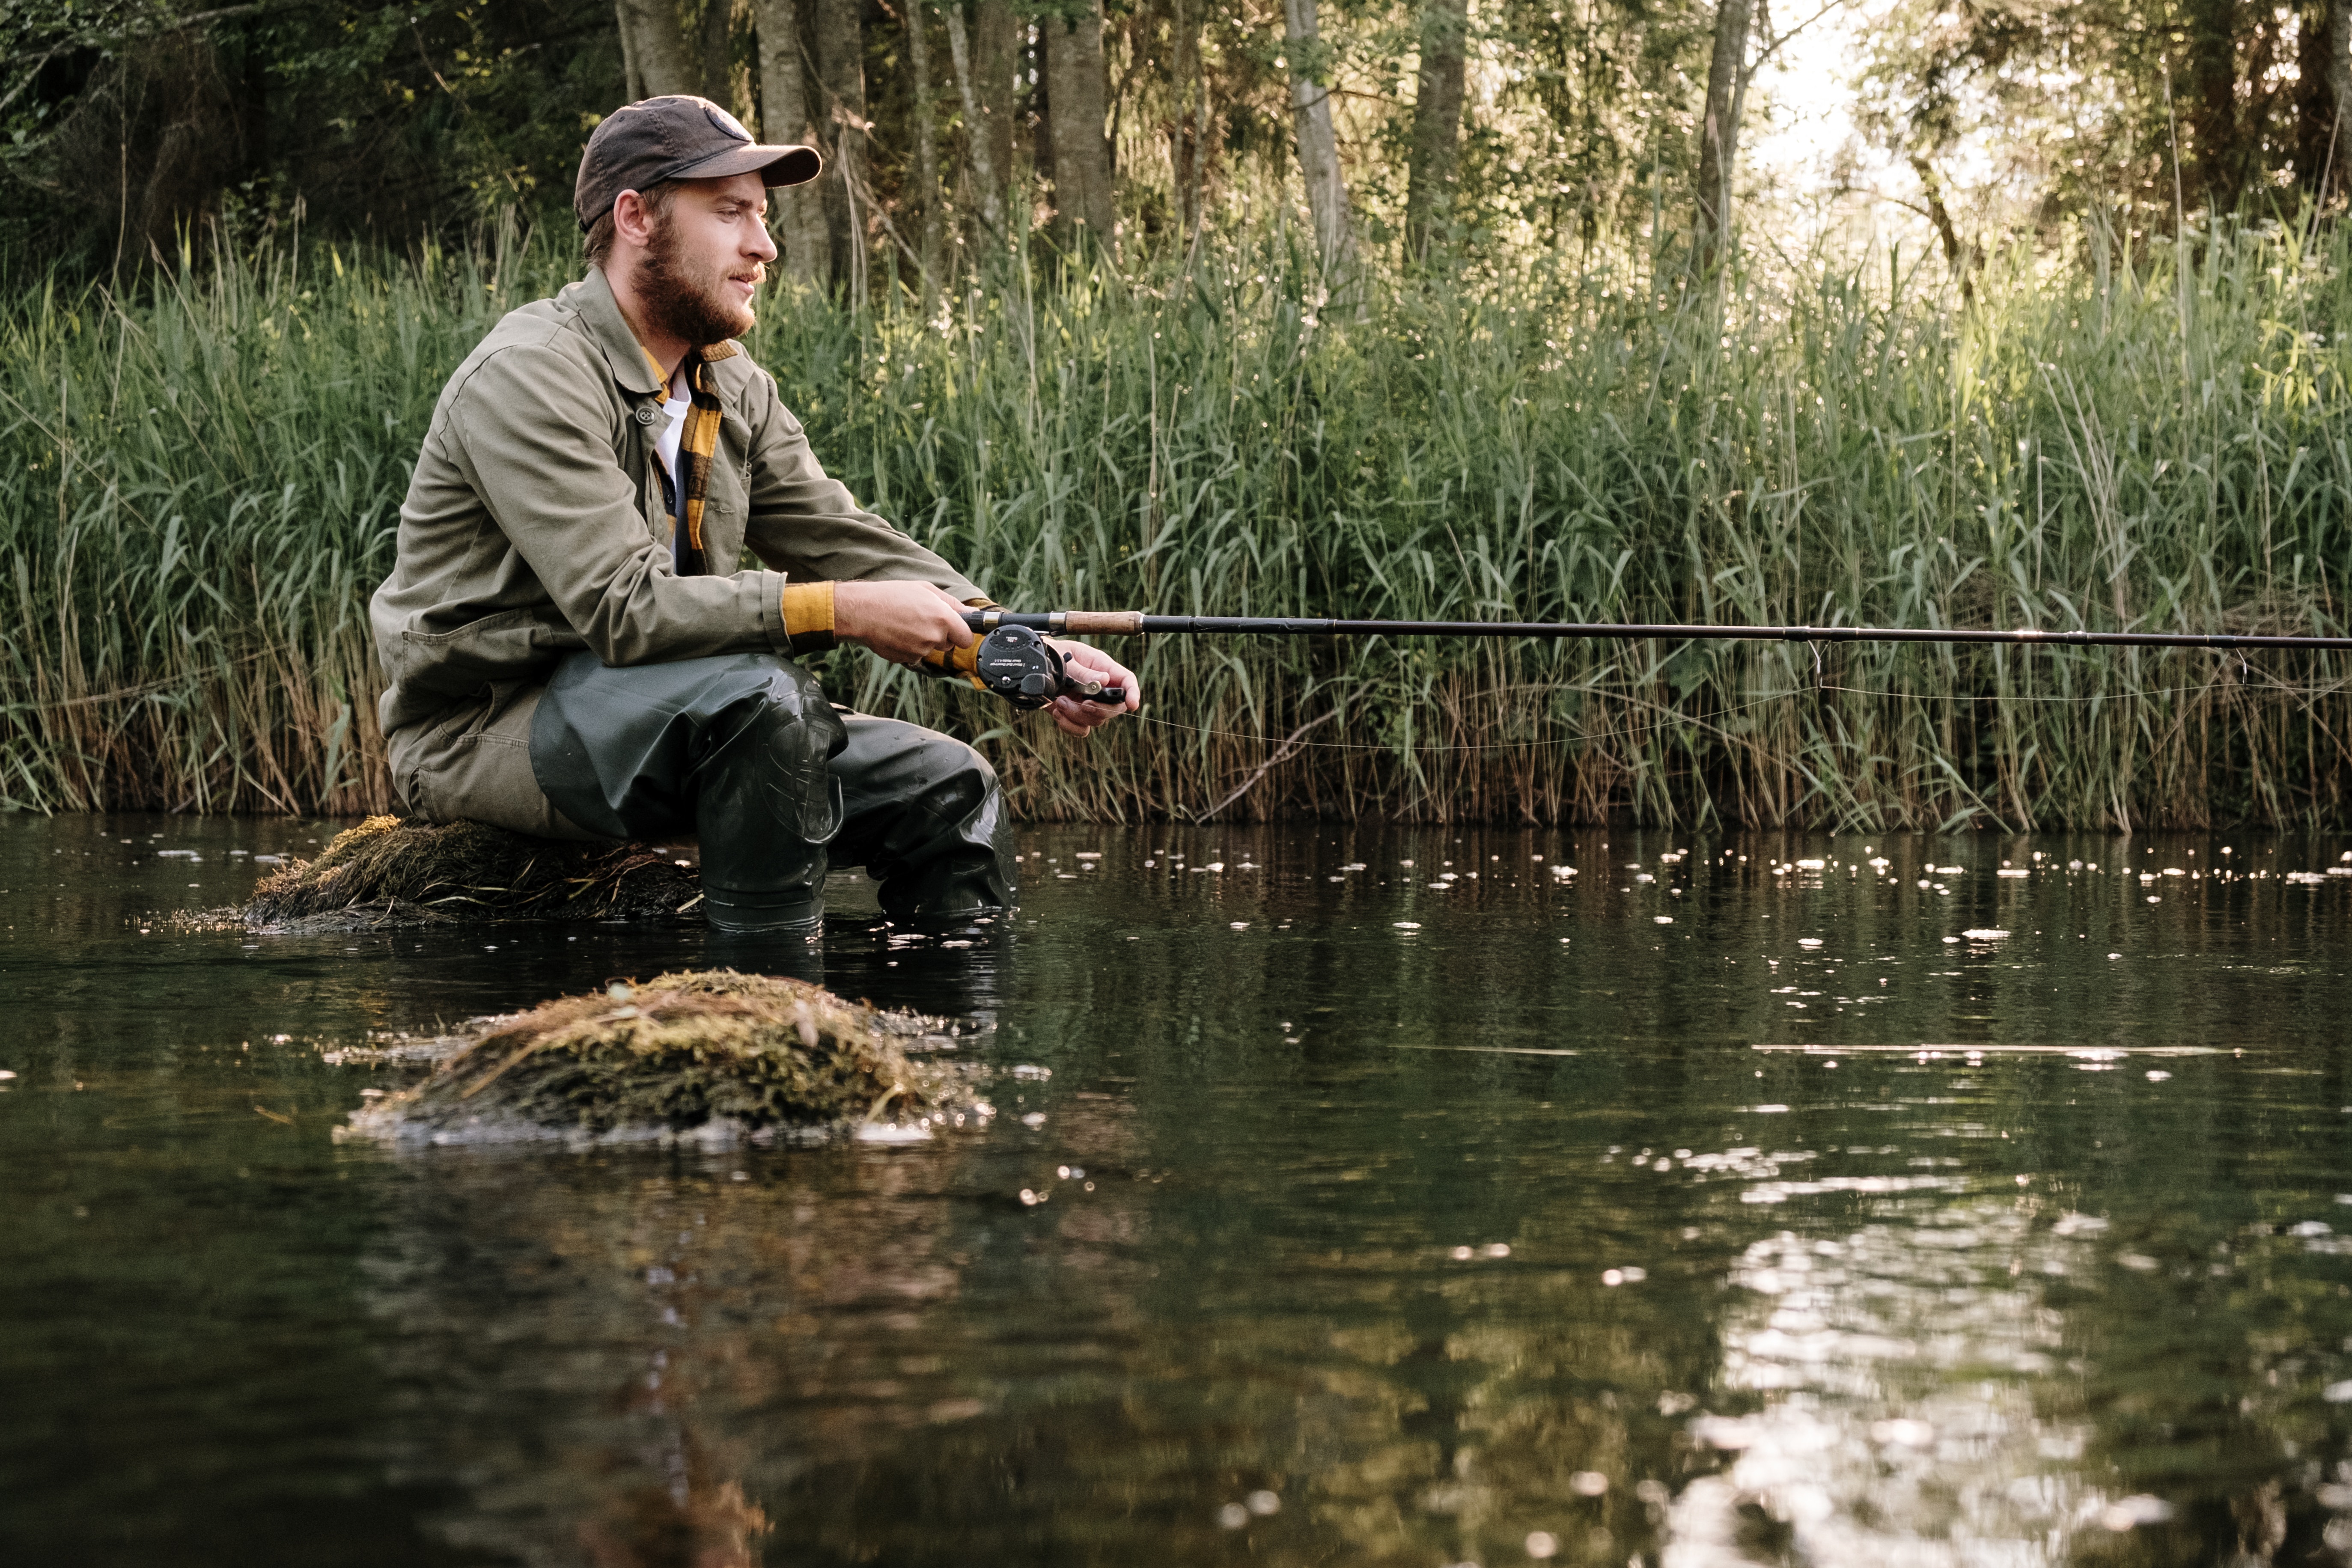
x,y
535,522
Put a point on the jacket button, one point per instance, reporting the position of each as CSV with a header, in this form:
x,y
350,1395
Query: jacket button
x,y
645,413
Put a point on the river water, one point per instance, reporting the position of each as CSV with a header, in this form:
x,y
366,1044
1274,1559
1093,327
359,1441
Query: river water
x,y
1703,1206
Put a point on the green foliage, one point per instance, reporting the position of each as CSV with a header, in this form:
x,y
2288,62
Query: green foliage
x,y
206,485
199,491
132,129
1602,109
141,126
2139,109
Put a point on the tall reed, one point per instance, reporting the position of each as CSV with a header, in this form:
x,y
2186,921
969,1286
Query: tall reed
x,y
201,487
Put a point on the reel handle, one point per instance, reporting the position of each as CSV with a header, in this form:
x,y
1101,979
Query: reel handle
x,y
1093,691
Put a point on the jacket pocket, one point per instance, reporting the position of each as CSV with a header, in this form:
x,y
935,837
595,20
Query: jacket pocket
x,y
513,644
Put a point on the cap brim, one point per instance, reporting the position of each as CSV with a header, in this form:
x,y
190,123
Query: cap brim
x,y
775,165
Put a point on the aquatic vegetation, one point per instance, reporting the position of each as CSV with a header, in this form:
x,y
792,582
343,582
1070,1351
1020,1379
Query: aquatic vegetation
x,y
199,490
709,1052
390,871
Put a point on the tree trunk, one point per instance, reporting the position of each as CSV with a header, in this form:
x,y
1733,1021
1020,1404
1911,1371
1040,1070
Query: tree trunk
x,y
253,103
1962,257
2339,89
841,85
632,75
926,170
655,49
784,117
985,183
997,39
1031,70
1319,143
1718,144
2315,97
1436,125
2216,165
1187,134
716,24
1075,113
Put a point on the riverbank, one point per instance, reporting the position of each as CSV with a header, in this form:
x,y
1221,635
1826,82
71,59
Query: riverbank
x,y
199,488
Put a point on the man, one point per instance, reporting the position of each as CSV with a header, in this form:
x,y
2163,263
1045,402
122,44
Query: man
x,y
571,649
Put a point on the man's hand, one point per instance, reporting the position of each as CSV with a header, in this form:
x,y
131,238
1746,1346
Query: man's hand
x,y
900,621
1076,715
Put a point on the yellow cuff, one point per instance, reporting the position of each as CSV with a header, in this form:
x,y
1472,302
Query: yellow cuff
x,y
956,663
808,616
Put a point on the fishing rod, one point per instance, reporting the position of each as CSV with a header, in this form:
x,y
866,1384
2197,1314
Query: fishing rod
x,y
1016,664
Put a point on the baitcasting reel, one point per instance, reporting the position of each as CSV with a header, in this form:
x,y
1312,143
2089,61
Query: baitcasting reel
x,y
1016,664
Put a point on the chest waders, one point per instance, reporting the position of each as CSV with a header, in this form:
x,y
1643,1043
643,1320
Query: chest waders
x,y
744,751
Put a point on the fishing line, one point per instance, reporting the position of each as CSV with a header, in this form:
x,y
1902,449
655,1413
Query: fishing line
x,y
1998,697
1708,720
1703,722
1320,745
2252,680
1128,622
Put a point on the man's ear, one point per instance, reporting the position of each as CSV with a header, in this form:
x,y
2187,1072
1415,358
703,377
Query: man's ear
x,y
633,220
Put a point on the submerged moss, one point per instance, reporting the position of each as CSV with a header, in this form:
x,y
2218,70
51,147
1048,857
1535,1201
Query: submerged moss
x,y
680,1053
389,870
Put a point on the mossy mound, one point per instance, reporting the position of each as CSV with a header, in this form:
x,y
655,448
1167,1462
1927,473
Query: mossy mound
x,y
710,1053
391,871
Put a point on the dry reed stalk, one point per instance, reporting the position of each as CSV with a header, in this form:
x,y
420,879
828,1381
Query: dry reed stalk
x,y
390,872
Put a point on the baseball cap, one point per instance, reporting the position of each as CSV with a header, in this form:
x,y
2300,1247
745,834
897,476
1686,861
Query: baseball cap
x,y
679,137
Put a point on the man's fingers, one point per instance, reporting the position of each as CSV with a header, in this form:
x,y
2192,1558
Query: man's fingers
x,y
1112,673
1079,716
959,634
1094,663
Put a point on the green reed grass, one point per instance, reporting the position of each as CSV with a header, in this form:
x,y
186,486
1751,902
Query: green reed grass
x,y
200,488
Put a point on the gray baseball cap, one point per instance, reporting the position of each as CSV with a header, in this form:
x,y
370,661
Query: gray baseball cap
x,y
676,138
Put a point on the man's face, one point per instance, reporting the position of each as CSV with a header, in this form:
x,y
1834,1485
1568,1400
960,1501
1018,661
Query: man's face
x,y
706,258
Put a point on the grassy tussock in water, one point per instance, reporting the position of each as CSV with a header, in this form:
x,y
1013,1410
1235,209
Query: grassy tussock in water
x,y
199,490
678,1053
387,870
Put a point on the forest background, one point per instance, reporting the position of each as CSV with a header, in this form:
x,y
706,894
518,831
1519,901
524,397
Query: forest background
x,y
1400,308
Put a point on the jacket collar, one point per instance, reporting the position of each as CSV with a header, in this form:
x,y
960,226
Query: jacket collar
x,y
630,364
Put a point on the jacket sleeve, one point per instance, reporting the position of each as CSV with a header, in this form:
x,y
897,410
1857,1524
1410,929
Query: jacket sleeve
x,y
805,522
536,442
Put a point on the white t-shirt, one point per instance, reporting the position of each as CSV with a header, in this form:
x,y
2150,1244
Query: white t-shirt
x,y
674,410
665,446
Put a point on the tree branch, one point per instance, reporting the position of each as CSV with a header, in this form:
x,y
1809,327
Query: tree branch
x,y
1282,753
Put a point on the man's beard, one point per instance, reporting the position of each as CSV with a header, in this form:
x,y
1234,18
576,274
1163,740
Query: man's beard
x,y
692,309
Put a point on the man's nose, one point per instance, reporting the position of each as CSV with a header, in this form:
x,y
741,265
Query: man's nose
x,y
763,244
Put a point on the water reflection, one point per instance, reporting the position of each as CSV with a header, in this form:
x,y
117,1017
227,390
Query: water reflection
x,y
901,1362
682,1339
2006,1380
